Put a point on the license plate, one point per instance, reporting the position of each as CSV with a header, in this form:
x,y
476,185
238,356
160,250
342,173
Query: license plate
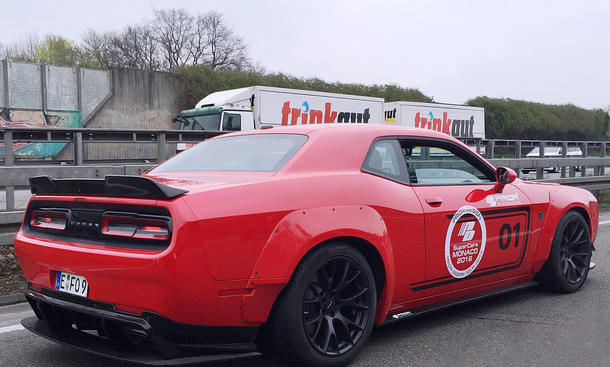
x,y
72,283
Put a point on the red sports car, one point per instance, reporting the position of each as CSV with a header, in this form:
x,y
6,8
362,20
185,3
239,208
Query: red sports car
x,y
295,241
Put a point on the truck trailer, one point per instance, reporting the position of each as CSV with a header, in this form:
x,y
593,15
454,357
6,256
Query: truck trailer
x,y
254,107
455,120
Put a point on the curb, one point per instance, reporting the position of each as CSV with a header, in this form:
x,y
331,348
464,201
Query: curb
x,y
11,299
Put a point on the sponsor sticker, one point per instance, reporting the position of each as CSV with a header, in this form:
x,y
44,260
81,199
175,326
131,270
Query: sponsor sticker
x,y
495,200
465,241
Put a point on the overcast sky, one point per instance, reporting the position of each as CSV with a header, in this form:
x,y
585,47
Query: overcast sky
x,y
544,51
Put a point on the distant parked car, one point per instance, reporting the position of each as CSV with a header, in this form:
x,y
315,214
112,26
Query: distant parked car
x,y
552,152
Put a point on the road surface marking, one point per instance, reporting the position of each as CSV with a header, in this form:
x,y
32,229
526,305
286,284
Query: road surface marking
x,y
8,329
604,222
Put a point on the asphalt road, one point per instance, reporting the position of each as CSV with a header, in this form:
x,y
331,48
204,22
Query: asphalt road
x,y
524,328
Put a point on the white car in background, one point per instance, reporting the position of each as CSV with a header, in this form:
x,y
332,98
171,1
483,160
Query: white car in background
x,y
552,152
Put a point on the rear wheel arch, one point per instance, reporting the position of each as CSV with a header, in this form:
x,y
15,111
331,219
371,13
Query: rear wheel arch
x,y
302,231
368,250
283,332
380,265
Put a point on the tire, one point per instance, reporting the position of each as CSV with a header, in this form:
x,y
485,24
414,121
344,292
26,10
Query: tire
x,y
333,285
567,267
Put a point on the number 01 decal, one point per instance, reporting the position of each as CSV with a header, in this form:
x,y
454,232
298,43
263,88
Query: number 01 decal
x,y
506,235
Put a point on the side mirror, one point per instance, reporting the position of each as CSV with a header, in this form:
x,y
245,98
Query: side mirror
x,y
504,176
179,122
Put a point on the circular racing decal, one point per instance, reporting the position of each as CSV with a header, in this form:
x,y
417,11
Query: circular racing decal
x,y
465,241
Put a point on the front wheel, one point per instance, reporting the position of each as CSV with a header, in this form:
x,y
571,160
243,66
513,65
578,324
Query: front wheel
x,y
326,313
567,267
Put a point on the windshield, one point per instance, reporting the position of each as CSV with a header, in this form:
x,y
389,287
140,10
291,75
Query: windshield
x,y
256,153
202,122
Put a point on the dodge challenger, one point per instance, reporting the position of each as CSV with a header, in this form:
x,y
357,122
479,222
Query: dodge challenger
x,y
292,241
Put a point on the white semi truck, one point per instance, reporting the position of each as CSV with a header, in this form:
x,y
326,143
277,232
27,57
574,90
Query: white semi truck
x,y
254,107
455,120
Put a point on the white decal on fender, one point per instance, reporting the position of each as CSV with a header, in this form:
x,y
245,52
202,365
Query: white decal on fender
x,y
468,247
495,200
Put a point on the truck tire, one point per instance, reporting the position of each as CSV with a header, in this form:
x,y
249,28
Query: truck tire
x,y
567,266
326,313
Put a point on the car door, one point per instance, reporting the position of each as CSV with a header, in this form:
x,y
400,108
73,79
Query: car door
x,y
473,231
399,206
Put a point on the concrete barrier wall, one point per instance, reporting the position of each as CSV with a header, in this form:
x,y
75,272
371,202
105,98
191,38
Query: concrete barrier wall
x,y
140,100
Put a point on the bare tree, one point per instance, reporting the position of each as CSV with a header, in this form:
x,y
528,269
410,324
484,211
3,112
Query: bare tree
x,y
225,49
138,48
199,41
203,39
23,49
101,47
174,30
172,39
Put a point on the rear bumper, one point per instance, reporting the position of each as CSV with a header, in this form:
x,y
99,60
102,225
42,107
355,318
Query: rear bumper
x,y
148,339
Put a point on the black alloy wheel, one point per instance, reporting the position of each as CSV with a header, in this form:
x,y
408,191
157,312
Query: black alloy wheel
x,y
335,306
326,314
567,266
575,251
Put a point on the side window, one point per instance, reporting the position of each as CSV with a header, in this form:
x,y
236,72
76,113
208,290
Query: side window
x,y
384,160
231,122
428,164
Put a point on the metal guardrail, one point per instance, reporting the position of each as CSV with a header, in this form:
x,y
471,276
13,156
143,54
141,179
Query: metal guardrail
x,y
15,173
591,183
80,137
512,155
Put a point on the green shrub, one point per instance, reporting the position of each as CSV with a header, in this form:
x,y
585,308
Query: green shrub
x,y
201,80
514,119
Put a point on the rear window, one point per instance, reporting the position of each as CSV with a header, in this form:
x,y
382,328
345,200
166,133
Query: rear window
x,y
258,153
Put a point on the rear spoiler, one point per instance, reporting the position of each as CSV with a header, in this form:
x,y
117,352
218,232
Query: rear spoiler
x,y
125,186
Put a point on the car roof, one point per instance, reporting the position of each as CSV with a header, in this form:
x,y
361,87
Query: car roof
x,y
338,147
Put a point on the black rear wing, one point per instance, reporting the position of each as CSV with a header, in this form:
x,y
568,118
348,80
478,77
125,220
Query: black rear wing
x,y
125,186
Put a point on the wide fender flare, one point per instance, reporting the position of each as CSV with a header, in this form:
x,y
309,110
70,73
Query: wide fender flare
x,y
559,205
301,230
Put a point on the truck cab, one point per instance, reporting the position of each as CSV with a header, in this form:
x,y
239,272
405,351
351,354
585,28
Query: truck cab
x,y
212,118
215,118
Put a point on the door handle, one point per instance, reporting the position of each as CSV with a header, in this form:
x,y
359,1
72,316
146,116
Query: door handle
x,y
434,201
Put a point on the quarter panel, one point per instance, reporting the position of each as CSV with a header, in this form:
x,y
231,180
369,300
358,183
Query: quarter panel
x,y
302,230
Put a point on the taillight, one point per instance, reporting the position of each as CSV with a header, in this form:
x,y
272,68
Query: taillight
x,y
49,219
135,227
